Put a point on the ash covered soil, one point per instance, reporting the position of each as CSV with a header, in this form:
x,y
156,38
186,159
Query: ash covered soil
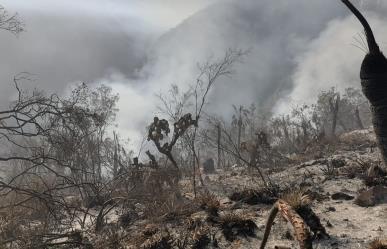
x,y
231,211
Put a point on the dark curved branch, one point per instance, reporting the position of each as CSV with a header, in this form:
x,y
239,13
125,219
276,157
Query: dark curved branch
x,y
372,45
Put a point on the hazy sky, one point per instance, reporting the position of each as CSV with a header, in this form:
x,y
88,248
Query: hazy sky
x,y
158,13
94,41
140,47
86,40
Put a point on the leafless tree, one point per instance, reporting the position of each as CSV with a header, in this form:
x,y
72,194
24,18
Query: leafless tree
x,y
55,150
210,72
194,100
10,22
334,105
230,146
160,129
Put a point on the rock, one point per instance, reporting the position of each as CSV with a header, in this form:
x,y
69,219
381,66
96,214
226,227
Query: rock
x,y
342,196
209,166
371,197
366,136
331,209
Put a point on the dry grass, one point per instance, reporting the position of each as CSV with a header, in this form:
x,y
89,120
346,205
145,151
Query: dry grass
x,y
201,237
237,224
160,240
378,244
167,207
297,199
151,237
255,196
301,203
193,223
330,171
209,202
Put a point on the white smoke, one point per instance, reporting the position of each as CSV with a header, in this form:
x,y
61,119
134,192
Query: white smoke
x,y
333,59
141,47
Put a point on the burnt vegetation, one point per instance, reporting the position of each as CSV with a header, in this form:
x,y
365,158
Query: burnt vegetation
x,y
68,180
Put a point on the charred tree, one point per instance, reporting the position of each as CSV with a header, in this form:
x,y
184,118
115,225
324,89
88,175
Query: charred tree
x,y
334,104
301,229
358,119
219,137
373,75
240,124
160,129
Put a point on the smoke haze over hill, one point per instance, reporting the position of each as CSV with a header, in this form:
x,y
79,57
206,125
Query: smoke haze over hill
x,y
141,47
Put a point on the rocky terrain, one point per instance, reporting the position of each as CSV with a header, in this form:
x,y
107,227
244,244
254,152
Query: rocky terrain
x,y
231,211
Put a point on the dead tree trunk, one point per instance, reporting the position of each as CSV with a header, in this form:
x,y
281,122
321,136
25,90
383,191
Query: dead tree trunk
x,y
373,75
219,145
199,168
115,155
342,124
286,133
358,119
240,123
304,126
334,106
194,174
301,229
